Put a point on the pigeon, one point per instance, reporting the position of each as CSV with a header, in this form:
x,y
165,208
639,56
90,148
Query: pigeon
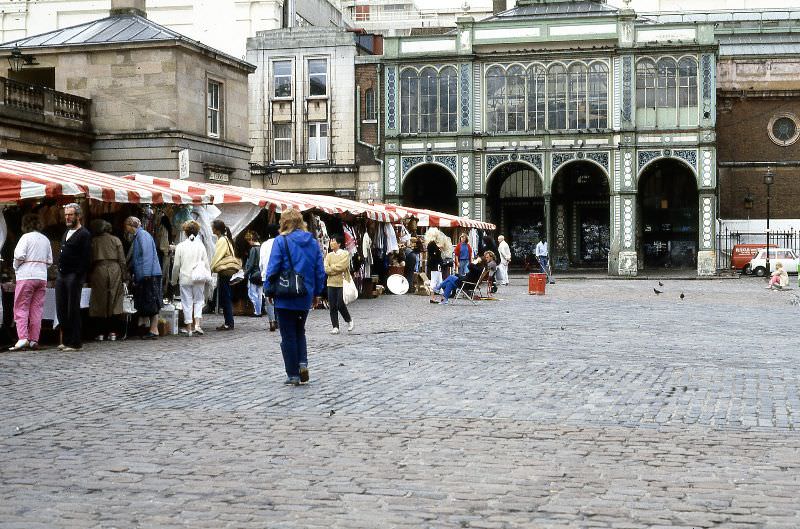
x,y
660,284
682,296
332,413
657,291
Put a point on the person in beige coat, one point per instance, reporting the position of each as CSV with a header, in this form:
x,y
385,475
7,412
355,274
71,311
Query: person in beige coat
x,y
190,255
337,266
106,277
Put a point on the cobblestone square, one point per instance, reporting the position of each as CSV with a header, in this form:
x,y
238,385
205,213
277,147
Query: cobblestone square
x,y
600,404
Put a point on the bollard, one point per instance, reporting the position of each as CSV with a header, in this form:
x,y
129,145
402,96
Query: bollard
x,y
536,284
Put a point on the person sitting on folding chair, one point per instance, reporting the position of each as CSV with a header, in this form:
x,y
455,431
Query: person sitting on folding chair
x,y
451,284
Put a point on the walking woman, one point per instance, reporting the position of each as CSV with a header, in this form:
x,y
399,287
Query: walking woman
x,y
106,277
337,266
252,272
265,253
148,290
295,249
224,264
32,255
190,268
434,262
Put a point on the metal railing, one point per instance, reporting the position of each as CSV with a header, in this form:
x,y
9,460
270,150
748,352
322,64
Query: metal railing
x,y
726,240
44,101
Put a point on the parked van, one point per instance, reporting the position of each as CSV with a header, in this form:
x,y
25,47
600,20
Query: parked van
x,y
742,254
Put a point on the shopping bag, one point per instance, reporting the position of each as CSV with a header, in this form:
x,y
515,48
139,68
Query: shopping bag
x,y
201,273
128,306
349,291
237,278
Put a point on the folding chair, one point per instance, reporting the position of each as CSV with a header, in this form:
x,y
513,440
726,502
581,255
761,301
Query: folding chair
x,y
470,291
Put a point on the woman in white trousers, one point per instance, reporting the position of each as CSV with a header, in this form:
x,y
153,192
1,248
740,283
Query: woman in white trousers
x,y
190,260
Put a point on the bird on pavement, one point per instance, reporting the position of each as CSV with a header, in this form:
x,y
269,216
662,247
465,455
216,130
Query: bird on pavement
x,y
332,413
657,291
682,296
660,284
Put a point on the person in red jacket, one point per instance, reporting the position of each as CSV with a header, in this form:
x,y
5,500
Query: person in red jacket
x,y
463,254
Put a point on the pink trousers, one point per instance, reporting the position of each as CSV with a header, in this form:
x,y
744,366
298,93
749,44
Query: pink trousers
x,y
28,306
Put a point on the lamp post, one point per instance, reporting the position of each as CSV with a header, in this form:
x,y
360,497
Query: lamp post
x,y
769,178
270,171
17,60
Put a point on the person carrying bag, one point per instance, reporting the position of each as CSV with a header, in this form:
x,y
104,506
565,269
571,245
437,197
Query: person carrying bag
x,y
295,276
225,264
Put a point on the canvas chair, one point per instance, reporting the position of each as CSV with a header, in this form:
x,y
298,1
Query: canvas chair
x,y
472,291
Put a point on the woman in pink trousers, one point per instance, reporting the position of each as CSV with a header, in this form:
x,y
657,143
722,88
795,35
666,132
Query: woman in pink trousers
x,y
32,256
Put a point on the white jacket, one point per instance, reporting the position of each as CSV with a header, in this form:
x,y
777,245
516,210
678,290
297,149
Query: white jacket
x,y
187,255
32,256
263,257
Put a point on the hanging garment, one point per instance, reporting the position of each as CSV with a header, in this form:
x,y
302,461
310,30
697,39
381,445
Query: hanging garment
x,y
366,250
473,241
391,238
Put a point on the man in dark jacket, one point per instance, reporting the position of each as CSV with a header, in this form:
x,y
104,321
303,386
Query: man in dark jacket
x,y
73,265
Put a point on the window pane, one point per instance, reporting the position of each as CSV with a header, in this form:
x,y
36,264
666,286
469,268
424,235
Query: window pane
x,y
318,77
598,96
557,98
428,100
409,103
447,100
515,86
282,73
536,101
495,100
577,97
213,99
317,66
283,141
369,104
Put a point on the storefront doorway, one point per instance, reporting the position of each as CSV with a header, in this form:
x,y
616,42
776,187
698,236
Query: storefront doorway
x,y
515,204
581,216
430,186
668,215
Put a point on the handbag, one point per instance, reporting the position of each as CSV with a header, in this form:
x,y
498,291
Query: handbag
x,y
201,273
288,284
237,278
128,306
230,264
349,291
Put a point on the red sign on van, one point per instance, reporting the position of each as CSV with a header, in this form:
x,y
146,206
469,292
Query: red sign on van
x,y
744,253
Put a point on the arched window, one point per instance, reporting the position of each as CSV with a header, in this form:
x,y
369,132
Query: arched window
x,y
557,97
369,105
537,105
687,92
448,99
428,99
576,115
666,92
515,88
598,96
496,99
409,101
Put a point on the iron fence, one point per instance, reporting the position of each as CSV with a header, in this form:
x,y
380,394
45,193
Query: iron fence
x,y
727,239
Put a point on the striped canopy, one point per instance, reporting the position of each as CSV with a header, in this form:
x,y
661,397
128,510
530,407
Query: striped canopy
x,y
437,219
26,180
267,198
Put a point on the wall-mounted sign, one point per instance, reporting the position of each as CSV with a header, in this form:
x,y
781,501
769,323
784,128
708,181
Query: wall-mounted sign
x,y
217,176
183,164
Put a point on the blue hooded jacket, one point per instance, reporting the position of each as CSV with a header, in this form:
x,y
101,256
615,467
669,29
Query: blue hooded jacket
x,y
307,260
144,260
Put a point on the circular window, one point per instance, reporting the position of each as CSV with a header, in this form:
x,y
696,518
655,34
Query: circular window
x,y
784,129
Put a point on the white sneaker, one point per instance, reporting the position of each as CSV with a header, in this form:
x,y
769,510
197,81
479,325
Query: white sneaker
x,y
351,325
335,330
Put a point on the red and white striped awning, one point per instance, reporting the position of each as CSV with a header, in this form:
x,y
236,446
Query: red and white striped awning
x,y
426,217
267,198
26,180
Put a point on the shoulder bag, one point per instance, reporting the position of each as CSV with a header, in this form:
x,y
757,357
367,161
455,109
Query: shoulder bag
x,y
288,283
128,306
201,273
230,264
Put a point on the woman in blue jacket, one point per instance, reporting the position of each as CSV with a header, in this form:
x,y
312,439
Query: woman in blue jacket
x,y
147,288
292,312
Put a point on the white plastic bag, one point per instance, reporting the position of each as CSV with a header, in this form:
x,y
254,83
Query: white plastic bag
x,y
201,273
349,291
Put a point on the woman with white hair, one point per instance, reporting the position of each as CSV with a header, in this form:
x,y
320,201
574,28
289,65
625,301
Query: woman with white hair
x,y
32,255
190,267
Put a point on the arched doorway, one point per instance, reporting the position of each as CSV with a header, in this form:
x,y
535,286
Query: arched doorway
x,y
581,216
430,186
515,204
668,215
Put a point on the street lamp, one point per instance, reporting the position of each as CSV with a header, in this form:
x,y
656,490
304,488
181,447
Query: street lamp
x,y
270,171
17,60
769,178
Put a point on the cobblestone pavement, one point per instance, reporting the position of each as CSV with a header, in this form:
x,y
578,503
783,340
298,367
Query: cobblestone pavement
x,y
597,405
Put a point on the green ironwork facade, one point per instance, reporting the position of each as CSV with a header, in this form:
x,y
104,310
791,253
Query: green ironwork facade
x,y
575,108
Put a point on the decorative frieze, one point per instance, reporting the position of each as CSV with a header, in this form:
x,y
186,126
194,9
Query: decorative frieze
x,y
646,156
448,161
600,158
391,175
560,158
627,88
533,159
391,89
466,102
687,155
493,160
410,161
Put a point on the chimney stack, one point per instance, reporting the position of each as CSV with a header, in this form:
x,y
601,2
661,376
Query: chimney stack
x,y
498,6
128,7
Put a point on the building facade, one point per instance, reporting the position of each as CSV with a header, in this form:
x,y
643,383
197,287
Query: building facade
x,y
570,120
212,22
160,104
304,106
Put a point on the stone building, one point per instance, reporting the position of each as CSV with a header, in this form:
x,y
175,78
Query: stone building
x,y
570,119
221,24
303,109
161,104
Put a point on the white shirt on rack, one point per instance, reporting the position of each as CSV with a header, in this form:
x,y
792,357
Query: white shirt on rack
x,y
32,256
